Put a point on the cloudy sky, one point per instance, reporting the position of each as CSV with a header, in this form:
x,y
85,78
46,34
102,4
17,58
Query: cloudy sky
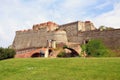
x,y
22,14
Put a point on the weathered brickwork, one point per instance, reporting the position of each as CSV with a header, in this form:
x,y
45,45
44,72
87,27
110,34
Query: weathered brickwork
x,y
110,37
28,39
39,36
72,29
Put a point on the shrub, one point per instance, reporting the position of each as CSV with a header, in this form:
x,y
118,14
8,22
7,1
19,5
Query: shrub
x,y
6,53
1,53
65,46
83,52
96,48
61,54
10,53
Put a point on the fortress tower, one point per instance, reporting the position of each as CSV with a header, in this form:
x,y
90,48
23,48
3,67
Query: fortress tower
x,y
41,33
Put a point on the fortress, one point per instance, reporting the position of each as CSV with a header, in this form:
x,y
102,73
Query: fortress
x,y
50,34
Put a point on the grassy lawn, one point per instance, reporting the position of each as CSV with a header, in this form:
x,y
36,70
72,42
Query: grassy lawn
x,y
60,69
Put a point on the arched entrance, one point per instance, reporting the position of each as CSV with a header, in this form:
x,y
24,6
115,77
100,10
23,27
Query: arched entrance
x,y
35,55
73,53
50,51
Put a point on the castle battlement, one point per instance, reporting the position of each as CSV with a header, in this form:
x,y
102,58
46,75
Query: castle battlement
x,y
49,25
23,31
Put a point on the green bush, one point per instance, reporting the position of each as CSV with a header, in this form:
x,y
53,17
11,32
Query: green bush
x,y
6,53
96,48
61,54
1,53
65,46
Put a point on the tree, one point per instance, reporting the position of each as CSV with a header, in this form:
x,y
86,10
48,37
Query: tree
x,y
101,27
109,28
6,53
1,53
95,48
105,28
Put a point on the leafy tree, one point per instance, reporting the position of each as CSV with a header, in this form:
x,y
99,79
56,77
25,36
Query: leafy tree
x,y
105,28
102,27
6,53
1,53
95,48
109,28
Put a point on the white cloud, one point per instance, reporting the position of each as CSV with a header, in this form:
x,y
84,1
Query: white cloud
x,y
110,19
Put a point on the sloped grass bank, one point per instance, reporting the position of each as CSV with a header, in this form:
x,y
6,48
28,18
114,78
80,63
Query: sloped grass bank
x,y
60,69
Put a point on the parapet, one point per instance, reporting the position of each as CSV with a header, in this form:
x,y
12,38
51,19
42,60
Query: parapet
x,y
87,21
23,31
49,25
67,24
89,26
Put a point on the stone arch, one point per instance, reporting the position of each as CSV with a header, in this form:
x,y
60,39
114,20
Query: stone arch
x,y
73,53
50,51
35,55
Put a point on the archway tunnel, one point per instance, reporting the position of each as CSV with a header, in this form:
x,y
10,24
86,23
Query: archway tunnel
x,y
73,53
35,55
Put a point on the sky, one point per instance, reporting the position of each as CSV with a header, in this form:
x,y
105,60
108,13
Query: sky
x,y
23,14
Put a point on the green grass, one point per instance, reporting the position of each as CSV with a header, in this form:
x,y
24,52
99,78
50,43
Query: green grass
x,y
60,69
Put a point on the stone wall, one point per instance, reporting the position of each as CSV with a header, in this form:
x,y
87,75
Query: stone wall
x,y
75,32
28,39
71,30
60,36
51,26
110,37
85,26
37,38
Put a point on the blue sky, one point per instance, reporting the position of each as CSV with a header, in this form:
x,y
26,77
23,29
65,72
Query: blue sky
x,y
22,14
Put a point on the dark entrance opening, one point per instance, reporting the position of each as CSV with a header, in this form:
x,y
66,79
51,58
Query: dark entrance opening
x,y
36,55
42,53
86,41
50,51
73,53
